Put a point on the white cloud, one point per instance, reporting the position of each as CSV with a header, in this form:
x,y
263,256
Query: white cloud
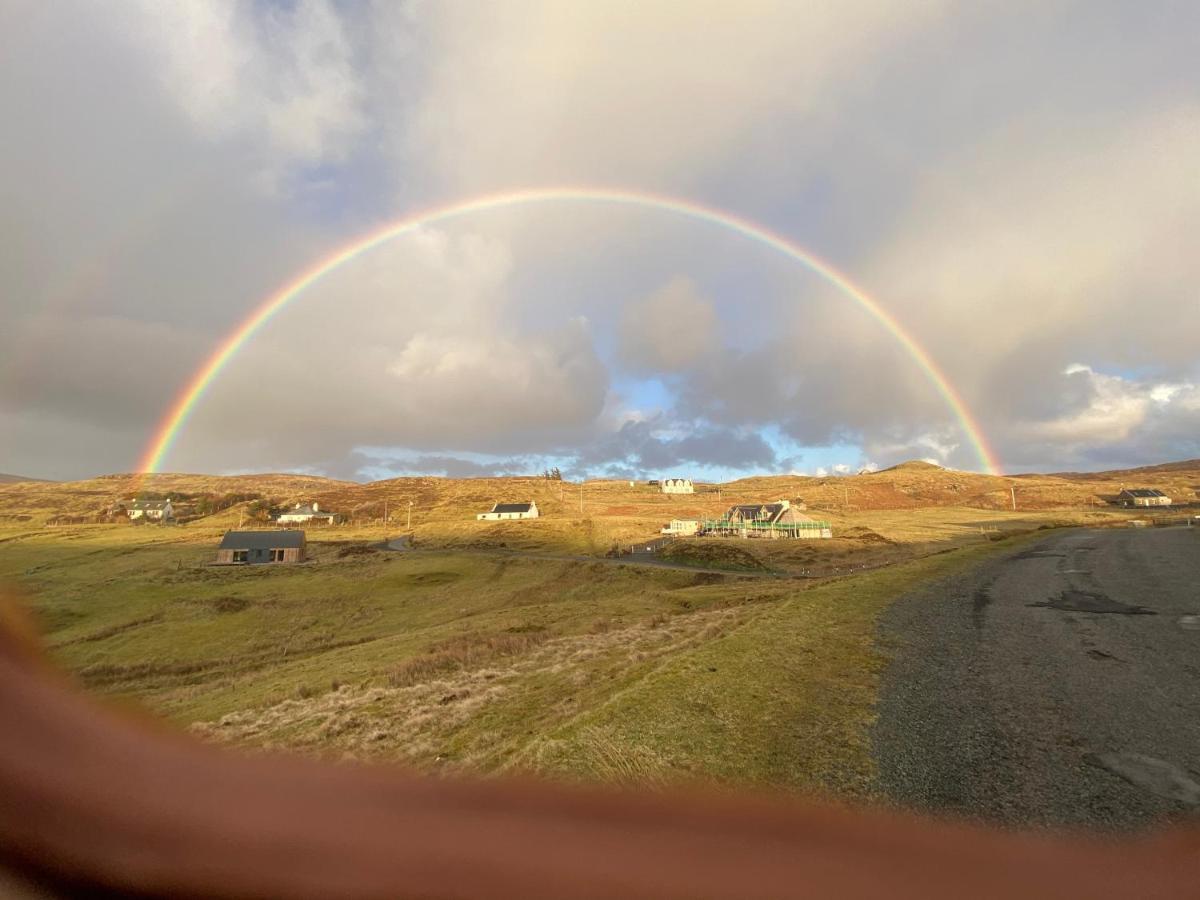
x,y
1118,408
279,77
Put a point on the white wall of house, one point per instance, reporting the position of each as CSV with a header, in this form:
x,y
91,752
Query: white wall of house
x,y
678,486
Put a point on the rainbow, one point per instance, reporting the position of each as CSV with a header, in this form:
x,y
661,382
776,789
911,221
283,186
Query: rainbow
x,y
168,430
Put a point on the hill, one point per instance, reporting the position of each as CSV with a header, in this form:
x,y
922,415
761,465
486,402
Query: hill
x,y
12,479
615,504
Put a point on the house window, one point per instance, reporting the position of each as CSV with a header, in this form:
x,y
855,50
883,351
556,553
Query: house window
x,y
277,556
240,555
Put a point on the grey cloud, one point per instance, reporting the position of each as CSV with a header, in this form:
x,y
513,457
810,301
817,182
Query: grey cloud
x,y
672,328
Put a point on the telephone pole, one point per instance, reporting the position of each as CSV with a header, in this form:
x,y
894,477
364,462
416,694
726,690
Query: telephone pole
x,y
1013,490
385,515
410,506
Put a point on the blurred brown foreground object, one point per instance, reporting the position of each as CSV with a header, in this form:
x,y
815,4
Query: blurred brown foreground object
x,y
93,801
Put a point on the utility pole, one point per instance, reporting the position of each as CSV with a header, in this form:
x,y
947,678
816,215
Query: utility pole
x,y
410,506
385,515
1013,490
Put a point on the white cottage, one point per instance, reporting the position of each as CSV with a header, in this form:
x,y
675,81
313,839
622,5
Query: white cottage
x,y
305,513
509,511
681,526
154,510
1143,497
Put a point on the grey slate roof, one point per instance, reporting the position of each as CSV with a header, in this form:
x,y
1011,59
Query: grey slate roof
x,y
511,507
261,540
149,504
1143,492
761,512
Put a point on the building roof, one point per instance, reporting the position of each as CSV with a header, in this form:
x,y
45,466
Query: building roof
x,y
1143,492
261,540
763,512
149,504
512,507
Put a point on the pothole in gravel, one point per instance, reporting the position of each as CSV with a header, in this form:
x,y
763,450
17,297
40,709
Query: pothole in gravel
x,y
1089,602
1191,623
1154,775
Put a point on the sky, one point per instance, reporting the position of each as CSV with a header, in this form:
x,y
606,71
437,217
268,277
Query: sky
x,y
1014,183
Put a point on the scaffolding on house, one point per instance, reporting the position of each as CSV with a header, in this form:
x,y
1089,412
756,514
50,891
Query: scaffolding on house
x,y
771,530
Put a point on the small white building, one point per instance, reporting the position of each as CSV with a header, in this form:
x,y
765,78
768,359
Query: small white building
x,y
155,510
304,513
678,486
1143,497
509,511
681,526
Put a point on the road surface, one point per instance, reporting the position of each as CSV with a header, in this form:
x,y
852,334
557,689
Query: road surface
x,y
1058,685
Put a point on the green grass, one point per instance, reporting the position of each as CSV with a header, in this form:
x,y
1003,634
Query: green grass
x,y
477,662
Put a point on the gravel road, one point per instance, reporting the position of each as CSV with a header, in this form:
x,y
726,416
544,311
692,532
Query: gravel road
x,y
1058,685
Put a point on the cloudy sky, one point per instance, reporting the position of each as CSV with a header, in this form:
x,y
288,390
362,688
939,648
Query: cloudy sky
x,y
1016,183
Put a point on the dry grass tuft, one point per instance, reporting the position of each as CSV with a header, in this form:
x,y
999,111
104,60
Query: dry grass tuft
x,y
459,654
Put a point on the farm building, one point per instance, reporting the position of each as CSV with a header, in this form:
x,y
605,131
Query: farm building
x,y
302,514
155,510
1143,497
255,547
771,520
681,526
678,486
509,511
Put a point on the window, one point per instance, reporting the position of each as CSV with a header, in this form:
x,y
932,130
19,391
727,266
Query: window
x,y
240,555
277,555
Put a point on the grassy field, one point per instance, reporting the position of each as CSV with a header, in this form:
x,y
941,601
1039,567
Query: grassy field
x,y
476,661
493,647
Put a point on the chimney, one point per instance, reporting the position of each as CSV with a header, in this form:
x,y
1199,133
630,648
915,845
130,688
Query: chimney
x,y
316,507
786,504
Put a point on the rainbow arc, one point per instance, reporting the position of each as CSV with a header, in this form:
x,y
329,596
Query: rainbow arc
x,y
170,427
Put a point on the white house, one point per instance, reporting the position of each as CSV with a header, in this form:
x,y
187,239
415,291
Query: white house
x,y
1143,497
156,510
509,511
678,486
302,514
681,526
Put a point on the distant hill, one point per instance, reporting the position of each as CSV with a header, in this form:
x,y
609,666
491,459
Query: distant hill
x,y
1182,467
914,465
911,485
13,479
